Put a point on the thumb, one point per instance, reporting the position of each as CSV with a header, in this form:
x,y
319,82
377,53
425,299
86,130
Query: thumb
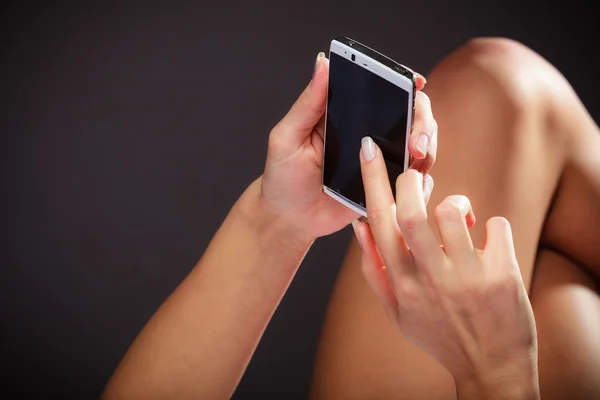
x,y
309,108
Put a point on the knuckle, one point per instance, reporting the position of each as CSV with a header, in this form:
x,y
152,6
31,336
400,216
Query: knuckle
x,y
448,211
430,127
431,158
306,101
437,283
423,99
277,138
409,217
433,126
376,216
407,290
434,142
273,137
277,131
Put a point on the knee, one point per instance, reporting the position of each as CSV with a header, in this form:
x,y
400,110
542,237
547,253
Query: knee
x,y
504,71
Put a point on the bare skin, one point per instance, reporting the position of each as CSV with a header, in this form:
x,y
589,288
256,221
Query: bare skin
x,y
516,140
199,342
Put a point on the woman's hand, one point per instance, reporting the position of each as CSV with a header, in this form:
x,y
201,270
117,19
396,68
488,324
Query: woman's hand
x,y
467,308
292,181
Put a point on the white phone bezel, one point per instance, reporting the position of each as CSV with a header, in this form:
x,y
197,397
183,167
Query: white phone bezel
x,y
389,75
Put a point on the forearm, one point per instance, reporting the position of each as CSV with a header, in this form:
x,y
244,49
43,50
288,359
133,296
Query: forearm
x,y
200,341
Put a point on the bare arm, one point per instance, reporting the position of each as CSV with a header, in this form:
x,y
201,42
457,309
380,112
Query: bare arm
x,y
200,341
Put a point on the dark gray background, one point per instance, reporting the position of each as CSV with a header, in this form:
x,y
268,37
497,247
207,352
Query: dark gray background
x,y
129,130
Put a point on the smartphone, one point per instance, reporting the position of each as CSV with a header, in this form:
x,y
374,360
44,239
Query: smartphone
x,y
368,95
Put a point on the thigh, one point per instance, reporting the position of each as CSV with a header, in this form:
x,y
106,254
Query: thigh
x,y
363,356
573,223
566,305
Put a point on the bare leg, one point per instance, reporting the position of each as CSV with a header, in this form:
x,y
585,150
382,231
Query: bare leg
x,y
567,311
510,132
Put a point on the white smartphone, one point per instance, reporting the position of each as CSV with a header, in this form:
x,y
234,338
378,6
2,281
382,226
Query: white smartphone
x,y
368,95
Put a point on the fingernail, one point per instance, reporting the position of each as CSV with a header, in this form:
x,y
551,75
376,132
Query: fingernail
x,y
319,57
368,148
423,144
354,226
461,203
427,187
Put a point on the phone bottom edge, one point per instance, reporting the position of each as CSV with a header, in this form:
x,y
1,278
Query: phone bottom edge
x,y
346,202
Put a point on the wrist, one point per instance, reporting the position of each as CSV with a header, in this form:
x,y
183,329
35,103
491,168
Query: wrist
x,y
274,229
520,383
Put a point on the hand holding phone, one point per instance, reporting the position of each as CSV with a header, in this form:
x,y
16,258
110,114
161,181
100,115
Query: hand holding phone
x,y
292,183
369,95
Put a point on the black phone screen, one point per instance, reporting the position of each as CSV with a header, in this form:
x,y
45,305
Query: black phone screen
x,y
361,103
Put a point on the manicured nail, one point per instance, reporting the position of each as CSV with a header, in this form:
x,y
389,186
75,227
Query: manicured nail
x,y
354,226
423,144
368,148
427,187
319,58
